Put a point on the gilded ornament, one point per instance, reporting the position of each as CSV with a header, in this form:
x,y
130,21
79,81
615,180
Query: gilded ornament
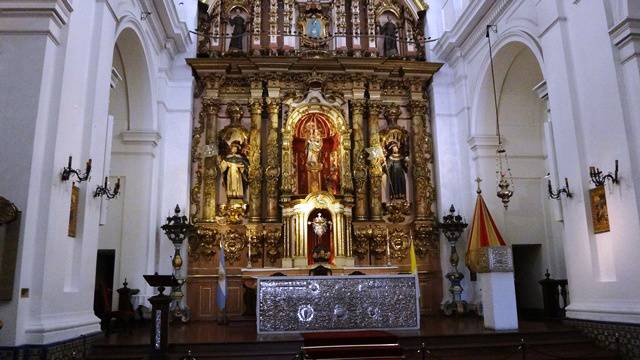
x,y
273,244
233,243
399,243
203,244
397,209
425,239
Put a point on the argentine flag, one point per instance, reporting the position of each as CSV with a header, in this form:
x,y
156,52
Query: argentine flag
x,y
221,294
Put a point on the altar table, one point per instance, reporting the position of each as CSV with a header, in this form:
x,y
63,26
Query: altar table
x,y
329,303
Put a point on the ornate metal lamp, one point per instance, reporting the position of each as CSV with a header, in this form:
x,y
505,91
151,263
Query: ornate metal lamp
x,y
503,169
177,228
452,227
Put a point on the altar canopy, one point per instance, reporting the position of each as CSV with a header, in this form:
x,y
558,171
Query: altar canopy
x,y
483,233
311,145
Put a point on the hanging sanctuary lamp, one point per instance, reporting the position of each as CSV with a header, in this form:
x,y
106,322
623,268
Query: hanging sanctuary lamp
x,y
503,169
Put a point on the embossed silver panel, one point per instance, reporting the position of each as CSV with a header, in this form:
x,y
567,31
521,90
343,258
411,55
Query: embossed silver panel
x,y
321,303
495,259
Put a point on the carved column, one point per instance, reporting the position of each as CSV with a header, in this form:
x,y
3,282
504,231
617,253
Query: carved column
x,y
257,16
211,108
375,165
272,169
424,192
359,160
255,167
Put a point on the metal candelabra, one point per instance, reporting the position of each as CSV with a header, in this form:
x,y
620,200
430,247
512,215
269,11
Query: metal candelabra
x,y
452,227
177,228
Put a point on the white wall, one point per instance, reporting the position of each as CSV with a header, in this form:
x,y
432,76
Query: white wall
x,y
56,69
584,51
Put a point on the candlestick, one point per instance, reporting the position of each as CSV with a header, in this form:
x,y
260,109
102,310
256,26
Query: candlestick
x,y
249,257
388,250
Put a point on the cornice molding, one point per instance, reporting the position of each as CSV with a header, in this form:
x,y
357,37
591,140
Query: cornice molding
x,y
168,32
470,26
479,142
140,137
626,37
44,17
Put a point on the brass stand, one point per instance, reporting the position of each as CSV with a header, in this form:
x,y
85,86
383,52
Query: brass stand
x,y
452,227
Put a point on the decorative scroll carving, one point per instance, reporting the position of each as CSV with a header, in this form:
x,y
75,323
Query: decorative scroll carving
x,y
196,164
203,244
399,243
397,210
211,108
273,244
234,243
255,169
424,194
272,170
359,164
425,239
376,161
361,242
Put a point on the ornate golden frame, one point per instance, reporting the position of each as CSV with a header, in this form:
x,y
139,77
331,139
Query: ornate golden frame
x,y
339,123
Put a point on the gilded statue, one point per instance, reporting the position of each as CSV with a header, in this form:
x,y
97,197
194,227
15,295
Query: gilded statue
x,y
313,145
235,170
396,168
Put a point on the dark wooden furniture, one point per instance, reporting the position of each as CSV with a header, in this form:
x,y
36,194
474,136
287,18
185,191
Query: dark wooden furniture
x,y
125,314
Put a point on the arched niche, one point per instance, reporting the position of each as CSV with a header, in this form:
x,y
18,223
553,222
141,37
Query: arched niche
x,y
131,52
131,156
236,28
529,223
315,147
301,213
333,118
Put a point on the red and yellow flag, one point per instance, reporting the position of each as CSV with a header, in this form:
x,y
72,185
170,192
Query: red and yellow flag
x,y
484,233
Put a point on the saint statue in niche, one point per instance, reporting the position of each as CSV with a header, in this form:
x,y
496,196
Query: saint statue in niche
x,y
235,168
389,35
313,145
396,168
239,29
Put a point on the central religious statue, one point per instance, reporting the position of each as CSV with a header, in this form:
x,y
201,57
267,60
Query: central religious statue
x,y
313,145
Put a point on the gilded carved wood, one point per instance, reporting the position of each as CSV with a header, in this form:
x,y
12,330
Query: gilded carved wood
x,y
369,104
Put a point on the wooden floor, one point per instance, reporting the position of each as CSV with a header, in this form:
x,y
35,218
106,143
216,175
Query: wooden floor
x,y
244,331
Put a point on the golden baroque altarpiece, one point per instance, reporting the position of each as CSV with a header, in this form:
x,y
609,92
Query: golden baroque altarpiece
x,y
311,144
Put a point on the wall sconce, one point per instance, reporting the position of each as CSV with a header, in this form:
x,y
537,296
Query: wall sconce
x,y
104,191
68,171
598,179
556,194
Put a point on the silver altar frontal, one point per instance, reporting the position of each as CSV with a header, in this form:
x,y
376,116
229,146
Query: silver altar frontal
x,y
330,303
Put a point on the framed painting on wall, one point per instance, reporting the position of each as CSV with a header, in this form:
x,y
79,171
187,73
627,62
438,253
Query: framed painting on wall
x,y
599,212
73,211
9,233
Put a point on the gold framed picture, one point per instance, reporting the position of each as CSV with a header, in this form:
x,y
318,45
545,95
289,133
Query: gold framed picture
x,y
73,211
599,212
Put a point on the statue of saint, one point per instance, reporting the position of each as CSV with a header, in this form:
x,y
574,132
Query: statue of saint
x,y
239,29
396,169
235,169
389,33
313,146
